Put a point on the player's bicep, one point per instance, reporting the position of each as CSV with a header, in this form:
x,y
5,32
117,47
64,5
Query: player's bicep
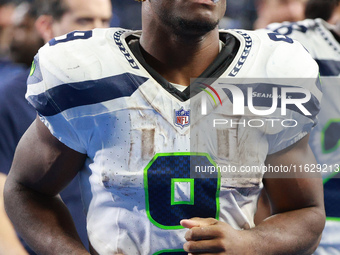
x,y
42,162
298,188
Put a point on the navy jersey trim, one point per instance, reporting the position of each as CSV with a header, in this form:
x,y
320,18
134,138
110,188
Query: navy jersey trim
x,y
70,95
245,54
117,38
75,35
328,67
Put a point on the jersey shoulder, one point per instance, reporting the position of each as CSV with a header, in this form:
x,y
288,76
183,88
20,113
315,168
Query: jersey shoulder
x,y
81,56
273,55
82,68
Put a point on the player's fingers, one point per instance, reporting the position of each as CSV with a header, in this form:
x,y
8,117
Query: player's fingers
x,y
189,223
204,246
198,222
203,233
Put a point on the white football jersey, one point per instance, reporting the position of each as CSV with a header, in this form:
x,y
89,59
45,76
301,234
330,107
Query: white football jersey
x,y
153,150
318,39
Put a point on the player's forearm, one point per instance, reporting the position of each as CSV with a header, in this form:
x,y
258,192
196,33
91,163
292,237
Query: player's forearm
x,y
44,222
294,232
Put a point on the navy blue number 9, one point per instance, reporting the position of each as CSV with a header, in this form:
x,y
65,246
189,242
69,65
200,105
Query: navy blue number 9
x,y
278,37
166,178
75,35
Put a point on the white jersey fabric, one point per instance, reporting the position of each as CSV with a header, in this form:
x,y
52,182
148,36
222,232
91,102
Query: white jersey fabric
x,y
141,141
318,39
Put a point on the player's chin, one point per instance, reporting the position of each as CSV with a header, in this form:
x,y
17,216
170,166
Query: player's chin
x,y
196,26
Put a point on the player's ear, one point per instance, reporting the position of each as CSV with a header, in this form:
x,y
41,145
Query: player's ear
x,y
44,27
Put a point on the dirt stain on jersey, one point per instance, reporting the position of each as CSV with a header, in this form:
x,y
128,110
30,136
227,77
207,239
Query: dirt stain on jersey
x,y
148,143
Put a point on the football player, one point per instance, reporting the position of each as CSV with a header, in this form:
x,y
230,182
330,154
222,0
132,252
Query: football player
x,y
120,107
322,40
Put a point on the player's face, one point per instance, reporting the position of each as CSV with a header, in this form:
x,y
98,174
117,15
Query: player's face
x,y
189,16
83,15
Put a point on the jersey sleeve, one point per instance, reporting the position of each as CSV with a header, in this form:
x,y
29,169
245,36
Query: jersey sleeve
x,y
48,91
74,77
296,75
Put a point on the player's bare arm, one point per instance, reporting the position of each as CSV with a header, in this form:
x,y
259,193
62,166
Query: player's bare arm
x,y
295,228
31,192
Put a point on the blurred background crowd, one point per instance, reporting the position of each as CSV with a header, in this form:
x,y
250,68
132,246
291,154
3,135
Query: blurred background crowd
x,y
245,14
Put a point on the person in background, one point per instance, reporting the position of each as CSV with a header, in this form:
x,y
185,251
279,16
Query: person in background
x,y
15,114
34,25
26,40
269,11
7,8
7,68
322,40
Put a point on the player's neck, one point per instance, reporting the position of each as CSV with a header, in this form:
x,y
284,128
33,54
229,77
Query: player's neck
x,y
179,59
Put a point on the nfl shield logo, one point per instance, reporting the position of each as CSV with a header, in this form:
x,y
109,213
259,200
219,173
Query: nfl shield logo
x,y
182,118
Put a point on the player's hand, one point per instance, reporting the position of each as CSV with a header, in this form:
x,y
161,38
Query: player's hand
x,y
210,236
